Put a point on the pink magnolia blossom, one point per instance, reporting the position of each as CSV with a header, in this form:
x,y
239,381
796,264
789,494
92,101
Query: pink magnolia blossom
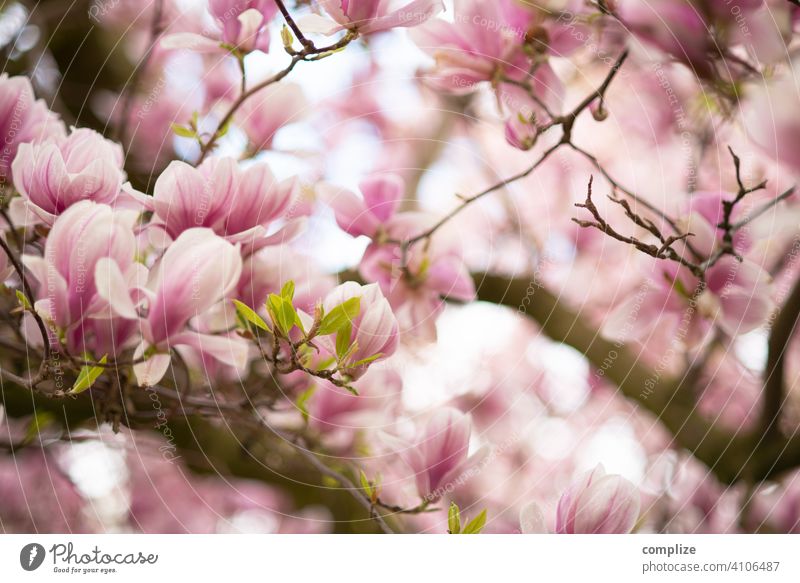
x,y
240,24
736,295
374,331
439,456
434,271
268,110
88,275
196,272
240,204
266,272
680,29
370,16
55,174
368,215
769,120
330,409
598,503
23,119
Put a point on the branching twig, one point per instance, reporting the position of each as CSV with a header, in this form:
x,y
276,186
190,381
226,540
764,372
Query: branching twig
x,y
26,290
309,53
662,251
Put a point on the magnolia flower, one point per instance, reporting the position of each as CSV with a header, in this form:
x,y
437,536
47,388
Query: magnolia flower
x,y
331,409
369,16
678,28
88,272
381,197
440,456
597,503
769,120
23,119
480,40
434,270
374,330
196,272
53,175
240,204
736,295
268,110
240,24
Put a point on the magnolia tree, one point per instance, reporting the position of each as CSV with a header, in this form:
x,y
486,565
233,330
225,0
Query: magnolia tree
x,y
400,266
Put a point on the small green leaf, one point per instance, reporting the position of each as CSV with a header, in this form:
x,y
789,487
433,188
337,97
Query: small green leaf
x,y
40,421
87,377
287,291
343,340
475,525
222,132
365,361
182,131
23,300
282,312
249,315
365,483
342,314
454,519
302,401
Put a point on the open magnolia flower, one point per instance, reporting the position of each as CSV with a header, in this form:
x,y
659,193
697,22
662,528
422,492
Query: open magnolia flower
x,y
370,16
53,175
439,456
25,120
196,272
596,503
88,273
243,205
238,25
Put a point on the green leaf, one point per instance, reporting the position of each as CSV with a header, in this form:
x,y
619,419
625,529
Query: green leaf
x,y
365,483
223,131
302,401
475,525
40,421
282,312
23,300
287,291
342,314
454,519
343,340
249,315
183,132
87,377
365,361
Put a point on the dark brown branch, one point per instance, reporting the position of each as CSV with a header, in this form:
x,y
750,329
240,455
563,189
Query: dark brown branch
x,y
662,251
566,122
730,456
774,377
26,290
310,53
293,25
